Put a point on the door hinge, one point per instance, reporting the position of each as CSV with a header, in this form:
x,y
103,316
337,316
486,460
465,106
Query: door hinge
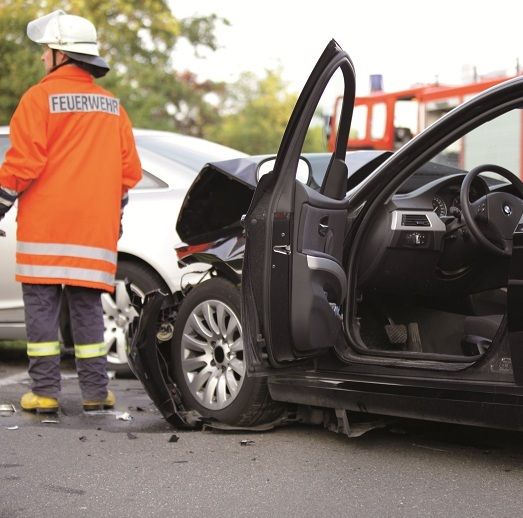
x,y
282,249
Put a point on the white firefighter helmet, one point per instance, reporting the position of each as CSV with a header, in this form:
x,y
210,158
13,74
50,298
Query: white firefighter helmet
x,y
73,35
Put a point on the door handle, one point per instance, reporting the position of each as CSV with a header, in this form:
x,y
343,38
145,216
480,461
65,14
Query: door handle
x,y
323,229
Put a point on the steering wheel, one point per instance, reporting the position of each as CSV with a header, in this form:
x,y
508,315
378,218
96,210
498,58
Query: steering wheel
x,y
499,211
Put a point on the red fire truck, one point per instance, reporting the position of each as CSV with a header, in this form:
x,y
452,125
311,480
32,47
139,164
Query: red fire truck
x,y
386,120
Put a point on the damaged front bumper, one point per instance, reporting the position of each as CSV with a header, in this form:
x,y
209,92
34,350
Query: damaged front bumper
x,y
149,331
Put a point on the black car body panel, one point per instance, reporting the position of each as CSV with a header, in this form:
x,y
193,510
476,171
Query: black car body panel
x,y
148,365
305,340
222,191
439,402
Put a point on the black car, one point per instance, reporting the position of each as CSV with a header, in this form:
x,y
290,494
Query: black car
x,y
378,283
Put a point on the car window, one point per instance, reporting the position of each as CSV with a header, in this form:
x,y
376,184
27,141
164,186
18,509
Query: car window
x,y
319,163
497,141
191,152
149,181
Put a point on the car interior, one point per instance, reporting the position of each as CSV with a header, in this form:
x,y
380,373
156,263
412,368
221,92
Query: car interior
x,y
427,287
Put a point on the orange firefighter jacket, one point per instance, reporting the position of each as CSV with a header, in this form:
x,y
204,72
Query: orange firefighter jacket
x,y
71,162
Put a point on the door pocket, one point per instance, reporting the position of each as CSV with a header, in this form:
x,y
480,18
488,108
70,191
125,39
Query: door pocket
x,y
319,287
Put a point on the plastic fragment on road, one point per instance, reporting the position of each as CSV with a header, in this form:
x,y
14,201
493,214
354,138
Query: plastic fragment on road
x,y
7,410
247,442
174,438
12,427
50,421
82,438
124,416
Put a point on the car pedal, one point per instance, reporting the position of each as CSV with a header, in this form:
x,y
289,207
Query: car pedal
x,y
397,333
414,340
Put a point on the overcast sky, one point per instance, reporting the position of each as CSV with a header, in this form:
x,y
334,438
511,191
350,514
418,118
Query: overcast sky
x,y
408,41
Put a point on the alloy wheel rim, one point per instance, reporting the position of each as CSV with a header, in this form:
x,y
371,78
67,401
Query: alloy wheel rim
x,y
118,314
212,358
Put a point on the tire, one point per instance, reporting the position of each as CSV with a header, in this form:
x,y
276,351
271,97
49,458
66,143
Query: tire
x,y
118,312
207,353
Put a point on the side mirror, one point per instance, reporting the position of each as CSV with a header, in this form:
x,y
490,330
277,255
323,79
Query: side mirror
x,y
303,174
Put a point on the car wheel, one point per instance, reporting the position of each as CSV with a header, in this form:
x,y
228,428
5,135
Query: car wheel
x,y
209,360
119,313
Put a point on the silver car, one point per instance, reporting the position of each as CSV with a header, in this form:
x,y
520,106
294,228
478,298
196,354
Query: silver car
x,y
146,258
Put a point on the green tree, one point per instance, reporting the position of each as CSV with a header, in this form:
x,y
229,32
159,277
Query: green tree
x,y
255,113
137,38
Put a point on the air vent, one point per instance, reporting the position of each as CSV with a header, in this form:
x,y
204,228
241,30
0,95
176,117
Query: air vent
x,y
415,220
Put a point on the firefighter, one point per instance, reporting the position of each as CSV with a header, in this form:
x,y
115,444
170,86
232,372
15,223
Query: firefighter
x,y
71,162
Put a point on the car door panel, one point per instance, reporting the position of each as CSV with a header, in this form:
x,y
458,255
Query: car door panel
x,y
318,279
293,278
515,305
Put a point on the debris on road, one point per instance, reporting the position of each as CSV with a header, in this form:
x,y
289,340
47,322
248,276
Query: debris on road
x,y
12,427
131,435
82,438
50,421
124,416
7,409
174,438
247,442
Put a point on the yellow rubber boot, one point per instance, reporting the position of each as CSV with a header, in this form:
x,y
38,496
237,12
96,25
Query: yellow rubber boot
x,y
41,404
104,404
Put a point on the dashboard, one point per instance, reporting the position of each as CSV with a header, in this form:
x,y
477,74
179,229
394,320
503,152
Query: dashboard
x,y
446,200
418,242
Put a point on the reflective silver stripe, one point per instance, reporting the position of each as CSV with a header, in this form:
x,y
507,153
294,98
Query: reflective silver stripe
x,y
86,252
11,192
7,196
61,272
90,350
43,348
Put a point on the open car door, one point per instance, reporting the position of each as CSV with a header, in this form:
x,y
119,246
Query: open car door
x,y
294,282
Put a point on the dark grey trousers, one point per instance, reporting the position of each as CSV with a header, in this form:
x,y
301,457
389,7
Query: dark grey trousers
x,y
42,314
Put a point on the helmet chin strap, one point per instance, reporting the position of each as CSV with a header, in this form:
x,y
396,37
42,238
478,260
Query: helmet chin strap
x,y
55,66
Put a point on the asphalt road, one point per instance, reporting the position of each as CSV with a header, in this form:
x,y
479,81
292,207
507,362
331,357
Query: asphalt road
x,y
103,466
